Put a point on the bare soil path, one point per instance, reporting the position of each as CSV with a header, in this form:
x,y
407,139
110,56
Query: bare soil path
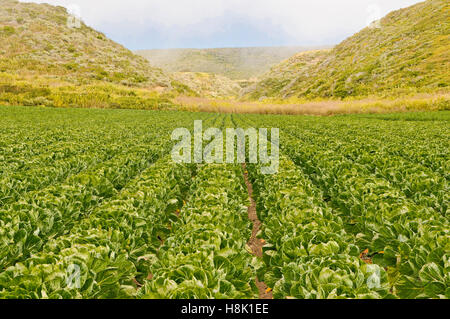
x,y
255,243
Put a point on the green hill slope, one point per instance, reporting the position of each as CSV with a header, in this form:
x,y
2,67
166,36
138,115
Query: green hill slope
x,y
235,63
36,39
45,61
207,84
408,53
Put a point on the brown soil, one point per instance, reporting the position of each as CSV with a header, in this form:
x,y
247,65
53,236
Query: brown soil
x,y
137,283
255,243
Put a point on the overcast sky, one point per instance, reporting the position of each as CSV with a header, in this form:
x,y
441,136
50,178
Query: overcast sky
x,y
151,24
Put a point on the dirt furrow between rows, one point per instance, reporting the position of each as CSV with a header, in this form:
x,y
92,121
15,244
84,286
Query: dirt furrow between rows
x,y
255,243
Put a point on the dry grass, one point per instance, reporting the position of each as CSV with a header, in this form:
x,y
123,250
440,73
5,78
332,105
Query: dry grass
x,y
318,107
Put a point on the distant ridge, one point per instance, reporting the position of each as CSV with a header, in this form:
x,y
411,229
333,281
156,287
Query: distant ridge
x,y
234,63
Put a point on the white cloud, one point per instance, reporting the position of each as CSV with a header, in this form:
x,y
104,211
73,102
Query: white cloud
x,y
298,21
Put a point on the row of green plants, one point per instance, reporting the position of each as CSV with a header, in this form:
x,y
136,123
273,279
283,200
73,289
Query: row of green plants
x,y
94,207
308,253
365,155
391,205
411,236
41,214
93,235
49,209
90,235
35,173
108,252
206,254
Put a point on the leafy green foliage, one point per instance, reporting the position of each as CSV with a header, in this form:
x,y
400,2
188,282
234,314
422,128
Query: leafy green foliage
x,y
350,192
102,215
91,206
205,257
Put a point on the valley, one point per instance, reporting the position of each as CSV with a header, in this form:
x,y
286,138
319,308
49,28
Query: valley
x,y
375,70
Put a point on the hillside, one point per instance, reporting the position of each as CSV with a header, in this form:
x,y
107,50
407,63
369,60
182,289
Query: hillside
x,y
409,53
43,60
283,76
207,84
35,39
235,63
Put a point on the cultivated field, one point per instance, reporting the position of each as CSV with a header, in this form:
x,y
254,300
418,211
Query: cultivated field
x,y
92,206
